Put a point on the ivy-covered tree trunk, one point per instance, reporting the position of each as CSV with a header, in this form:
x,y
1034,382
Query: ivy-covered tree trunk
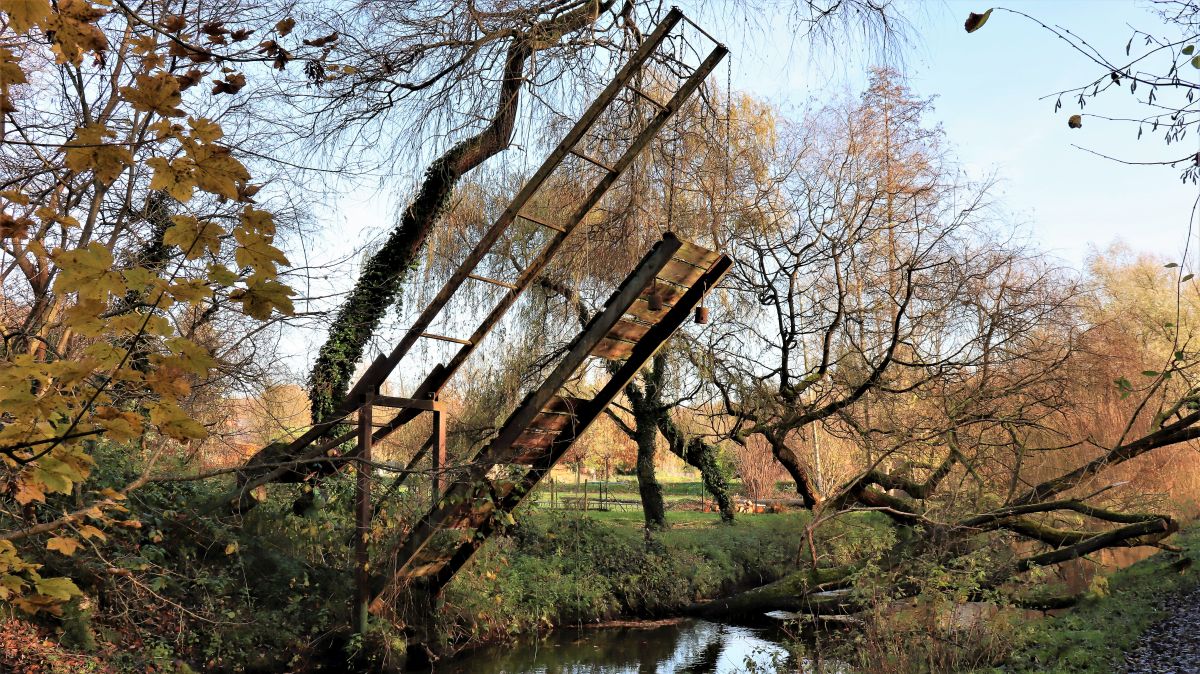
x,y
646,436
650,410
384,274
702,456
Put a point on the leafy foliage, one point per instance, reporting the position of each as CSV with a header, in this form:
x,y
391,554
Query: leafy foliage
x,y
102,341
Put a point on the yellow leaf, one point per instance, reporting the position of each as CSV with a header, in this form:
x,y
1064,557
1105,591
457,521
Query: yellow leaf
x,y
193,236
221,275
262,295
89,531
259,221
88,272
25,14
173,175
192,356
28,491
231,548
57,588
255,250
10,69
217,171
155,93
63,544
206,130
173,422
89,151
74,32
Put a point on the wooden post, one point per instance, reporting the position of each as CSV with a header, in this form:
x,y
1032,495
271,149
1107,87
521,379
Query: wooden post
x,y
585,495
438,456
362,511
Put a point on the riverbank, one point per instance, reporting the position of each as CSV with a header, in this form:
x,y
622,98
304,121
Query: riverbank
x,y
1095,636
568,568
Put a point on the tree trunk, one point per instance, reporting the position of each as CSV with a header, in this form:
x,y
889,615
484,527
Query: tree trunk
x,y
795,469
646,436
701,455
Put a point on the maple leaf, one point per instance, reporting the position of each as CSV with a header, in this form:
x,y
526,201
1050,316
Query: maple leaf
x,y
155,93
259,221
217,171
64,544
191,356
27,492
262,295
57,588
193,236
88,272
205,129
25,14
10,69
255,250
175,176
89,151
73,31
173,422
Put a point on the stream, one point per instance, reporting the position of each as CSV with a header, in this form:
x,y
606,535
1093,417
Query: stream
x,y
674,647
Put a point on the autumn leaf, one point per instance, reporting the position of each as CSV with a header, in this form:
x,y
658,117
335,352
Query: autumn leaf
x,y
262,295
174,176
255,250
155,93
62,589
192,356
285,26
194,237
74,32
1075,122
173,422
88,151
27,491
217,172
64,544
88,272
25,14
206,130
89,531
975,21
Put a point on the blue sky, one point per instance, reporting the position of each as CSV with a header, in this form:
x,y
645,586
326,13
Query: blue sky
x,y
987,87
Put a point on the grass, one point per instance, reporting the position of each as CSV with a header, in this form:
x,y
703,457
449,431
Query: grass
x,y
1092,637
567,567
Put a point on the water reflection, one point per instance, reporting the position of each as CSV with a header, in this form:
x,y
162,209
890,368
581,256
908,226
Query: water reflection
x,y
693,647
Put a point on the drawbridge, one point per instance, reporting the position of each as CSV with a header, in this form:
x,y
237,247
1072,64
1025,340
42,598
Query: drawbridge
x,y
647,307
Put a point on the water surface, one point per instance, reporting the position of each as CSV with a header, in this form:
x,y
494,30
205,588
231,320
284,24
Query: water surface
x,y
682,647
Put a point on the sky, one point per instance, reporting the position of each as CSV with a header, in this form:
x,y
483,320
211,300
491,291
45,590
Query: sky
x,y
988,87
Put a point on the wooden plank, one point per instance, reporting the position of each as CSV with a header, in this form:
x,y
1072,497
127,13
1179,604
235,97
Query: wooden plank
x,y
613,349
551,422
696,255
561,404
678,271
409,403
534,440
669,294
630,331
